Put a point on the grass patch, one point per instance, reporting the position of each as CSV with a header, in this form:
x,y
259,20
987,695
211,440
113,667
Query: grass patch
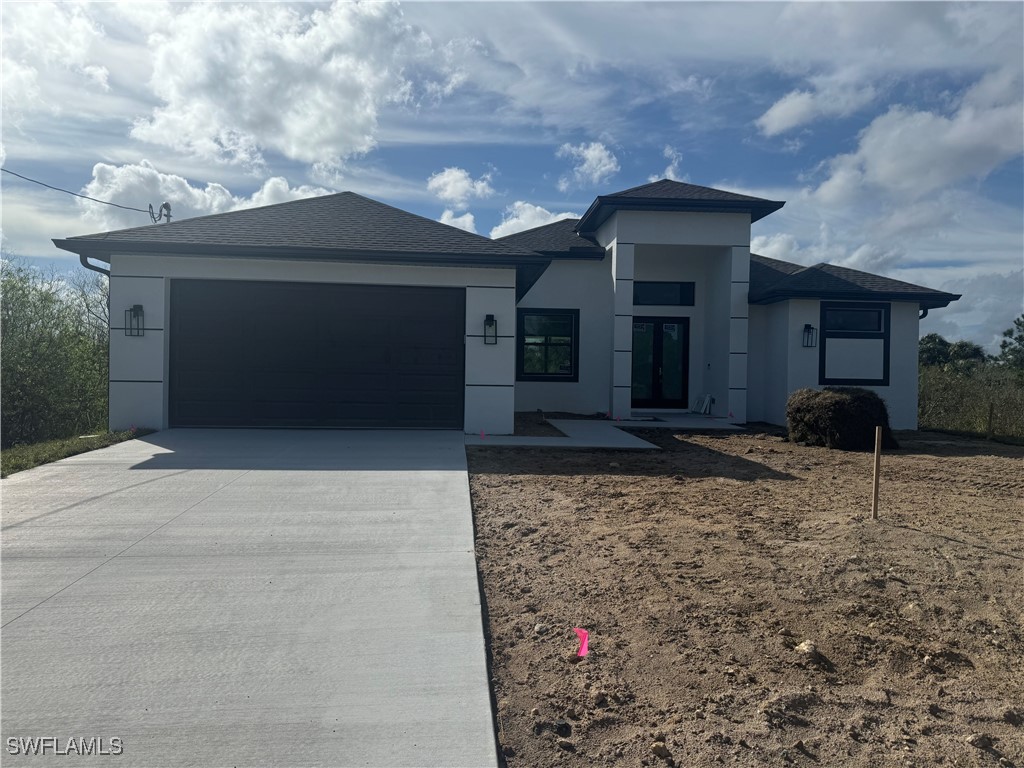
x,y
21,457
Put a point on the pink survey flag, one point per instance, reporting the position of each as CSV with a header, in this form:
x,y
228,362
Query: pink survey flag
x,y
584,636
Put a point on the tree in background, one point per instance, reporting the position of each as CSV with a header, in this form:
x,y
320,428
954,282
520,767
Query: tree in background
x,y
1011,348
933,350
961,356
964,390
53,354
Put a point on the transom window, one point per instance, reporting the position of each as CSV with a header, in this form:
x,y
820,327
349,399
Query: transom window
x,y
663,294
548,348
853,320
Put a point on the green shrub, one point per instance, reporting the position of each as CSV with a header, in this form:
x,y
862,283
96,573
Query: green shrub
x,y
838,417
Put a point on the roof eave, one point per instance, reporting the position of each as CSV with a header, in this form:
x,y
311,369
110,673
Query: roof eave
x,y
576,254
603,207
932,300
103,249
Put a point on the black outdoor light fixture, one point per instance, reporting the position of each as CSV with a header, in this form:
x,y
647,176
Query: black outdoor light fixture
x,y
134,321
810,335
490,330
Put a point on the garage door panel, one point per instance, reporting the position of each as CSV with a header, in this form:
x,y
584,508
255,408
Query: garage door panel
x,y
426,383
226,411
300,354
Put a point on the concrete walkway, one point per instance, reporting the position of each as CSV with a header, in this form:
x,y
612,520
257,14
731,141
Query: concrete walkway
x,y
600,433
247,597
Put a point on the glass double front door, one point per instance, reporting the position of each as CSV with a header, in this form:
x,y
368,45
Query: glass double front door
x,y
661,353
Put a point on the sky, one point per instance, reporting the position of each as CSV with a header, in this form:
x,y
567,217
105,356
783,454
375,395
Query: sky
x,y
893,131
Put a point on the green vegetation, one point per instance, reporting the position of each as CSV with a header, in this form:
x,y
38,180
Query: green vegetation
x,y
963,390
838,417
53,354
22,457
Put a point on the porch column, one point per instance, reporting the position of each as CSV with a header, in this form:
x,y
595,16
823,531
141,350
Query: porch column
x,y
739,312
622,354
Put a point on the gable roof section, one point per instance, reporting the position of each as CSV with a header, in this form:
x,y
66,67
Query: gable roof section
x,y
338,227
773,280
558,240
666,195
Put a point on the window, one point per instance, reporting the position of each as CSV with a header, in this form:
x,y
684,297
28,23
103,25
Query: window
x,y
663,294
548,347
864,320
854,346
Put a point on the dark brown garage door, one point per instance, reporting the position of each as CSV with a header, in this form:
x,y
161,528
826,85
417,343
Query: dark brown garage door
x,y
255,354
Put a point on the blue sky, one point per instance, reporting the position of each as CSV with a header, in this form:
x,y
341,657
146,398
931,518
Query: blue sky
x,y
894,131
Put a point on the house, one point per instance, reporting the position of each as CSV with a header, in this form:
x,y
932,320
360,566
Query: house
x,y
341,311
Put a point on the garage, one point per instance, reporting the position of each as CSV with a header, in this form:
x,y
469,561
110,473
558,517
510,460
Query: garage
x,y
278,354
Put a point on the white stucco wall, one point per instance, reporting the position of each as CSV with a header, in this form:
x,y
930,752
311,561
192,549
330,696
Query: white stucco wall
x,y
138,368
901,394
719,334
677,228
780,364
586,286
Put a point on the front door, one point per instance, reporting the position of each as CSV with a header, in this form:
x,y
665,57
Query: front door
x,y
661,354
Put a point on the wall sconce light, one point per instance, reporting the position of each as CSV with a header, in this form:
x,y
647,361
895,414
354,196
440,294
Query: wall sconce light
x,y
810,335
490,330
134,321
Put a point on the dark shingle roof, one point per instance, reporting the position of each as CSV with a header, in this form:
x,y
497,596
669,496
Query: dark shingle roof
x,y
678,190
774,280
340,226
558,239
666,195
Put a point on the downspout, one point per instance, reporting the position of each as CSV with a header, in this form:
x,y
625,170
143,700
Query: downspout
x,y
924,314
85,263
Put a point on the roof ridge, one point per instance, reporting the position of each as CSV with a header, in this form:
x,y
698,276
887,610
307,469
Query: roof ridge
x,y
872,274
219,213
539,226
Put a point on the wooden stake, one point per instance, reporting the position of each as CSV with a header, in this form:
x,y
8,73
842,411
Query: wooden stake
x,y
874,481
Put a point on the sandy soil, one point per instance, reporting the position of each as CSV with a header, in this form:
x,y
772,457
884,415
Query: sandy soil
x,y
743,611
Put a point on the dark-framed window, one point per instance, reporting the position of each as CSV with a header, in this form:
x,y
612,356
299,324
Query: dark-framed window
x,y
854,320
649,293
547,345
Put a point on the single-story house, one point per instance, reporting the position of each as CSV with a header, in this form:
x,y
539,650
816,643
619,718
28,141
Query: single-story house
x,y
341,311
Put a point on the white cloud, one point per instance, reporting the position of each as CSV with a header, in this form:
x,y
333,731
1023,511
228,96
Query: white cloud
x,y
42,41
911,153
521,216
140,185
465,221
31,217
595,164
865,256
671,171
989,305
456,187
798,108
238,79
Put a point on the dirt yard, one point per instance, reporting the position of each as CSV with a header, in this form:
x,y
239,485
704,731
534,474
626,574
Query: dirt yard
x,y
743,610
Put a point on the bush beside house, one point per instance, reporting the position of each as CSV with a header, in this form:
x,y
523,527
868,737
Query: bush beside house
x,y
838,417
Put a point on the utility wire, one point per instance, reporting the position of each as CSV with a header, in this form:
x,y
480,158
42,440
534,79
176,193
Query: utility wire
x,y
68,192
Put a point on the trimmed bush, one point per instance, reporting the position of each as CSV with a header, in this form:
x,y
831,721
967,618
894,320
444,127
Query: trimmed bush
x,y
838,417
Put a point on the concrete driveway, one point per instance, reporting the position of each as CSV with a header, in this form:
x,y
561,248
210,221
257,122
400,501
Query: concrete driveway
x,y
246,597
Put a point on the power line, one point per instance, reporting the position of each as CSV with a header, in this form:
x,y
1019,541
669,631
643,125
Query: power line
x,y
69,192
